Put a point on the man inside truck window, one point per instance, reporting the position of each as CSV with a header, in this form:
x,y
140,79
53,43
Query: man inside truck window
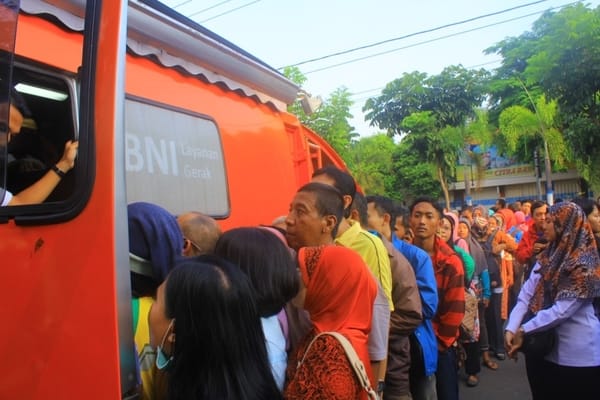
x,y
42,188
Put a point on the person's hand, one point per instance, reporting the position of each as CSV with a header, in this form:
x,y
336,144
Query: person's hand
x,y
513,342
486,302
67,162
537,247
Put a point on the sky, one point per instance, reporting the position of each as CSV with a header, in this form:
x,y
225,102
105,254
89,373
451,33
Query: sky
x,y
284,32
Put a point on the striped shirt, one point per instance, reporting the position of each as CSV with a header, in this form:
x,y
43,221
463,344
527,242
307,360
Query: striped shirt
x,y
449,274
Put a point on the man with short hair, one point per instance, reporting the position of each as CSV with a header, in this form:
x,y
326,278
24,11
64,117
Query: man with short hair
x,y
42,188
406,317
401,224
313,219
375,256
425,217
200,233
533,241
380,214
526,209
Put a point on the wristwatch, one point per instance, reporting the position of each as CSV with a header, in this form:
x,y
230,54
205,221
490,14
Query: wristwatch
x,y
61,174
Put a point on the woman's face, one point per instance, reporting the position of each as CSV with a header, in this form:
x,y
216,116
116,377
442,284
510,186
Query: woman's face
x,y
549,228
445,230
594,218
492,224
463,230
157,318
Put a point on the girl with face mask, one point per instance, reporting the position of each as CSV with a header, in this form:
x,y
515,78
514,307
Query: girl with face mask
x,y
207,333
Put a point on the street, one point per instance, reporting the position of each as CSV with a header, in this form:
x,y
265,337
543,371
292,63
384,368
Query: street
x,y
508,382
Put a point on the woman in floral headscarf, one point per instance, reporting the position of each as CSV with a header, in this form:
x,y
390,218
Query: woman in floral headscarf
x,y
562,293
339,291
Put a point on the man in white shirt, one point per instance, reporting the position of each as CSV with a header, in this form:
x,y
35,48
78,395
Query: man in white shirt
x,y
15,113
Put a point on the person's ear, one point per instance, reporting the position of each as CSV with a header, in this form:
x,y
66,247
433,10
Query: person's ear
x,y
386,219
171,336
187,247
330,222
347,201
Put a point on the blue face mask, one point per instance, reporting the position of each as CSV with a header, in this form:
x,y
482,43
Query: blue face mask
x,y
162,360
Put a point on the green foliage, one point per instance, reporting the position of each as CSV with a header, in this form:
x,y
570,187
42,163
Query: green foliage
x,y
560,57
518,123
412,176
371,164
451,97
330,121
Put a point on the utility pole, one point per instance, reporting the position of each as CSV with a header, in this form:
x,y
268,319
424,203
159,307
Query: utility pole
x,y
549,191
467,176
538,173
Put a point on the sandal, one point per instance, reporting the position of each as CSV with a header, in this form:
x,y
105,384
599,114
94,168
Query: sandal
x,y
490,364
472,381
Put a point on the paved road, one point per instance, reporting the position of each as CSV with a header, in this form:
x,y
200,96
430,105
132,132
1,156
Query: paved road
x,y
508,382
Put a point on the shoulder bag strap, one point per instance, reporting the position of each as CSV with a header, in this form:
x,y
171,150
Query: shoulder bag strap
x,y
355,362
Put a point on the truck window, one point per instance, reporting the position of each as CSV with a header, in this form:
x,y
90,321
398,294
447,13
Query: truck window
x,y
174,158
40,144
8,28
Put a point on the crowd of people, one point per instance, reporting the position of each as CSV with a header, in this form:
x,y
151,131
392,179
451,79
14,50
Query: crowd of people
x,y
417,293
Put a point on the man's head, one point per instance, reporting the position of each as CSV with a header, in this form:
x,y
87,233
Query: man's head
x,y
402,224
526,207
358,210
538,214
17,112
467,212
380,215
314,216
425,216
200,233
342,181
500,204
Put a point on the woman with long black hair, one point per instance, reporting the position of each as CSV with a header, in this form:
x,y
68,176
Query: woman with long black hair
x,y
206,329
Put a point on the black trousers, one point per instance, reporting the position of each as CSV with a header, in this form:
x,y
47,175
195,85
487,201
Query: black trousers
x,y
549,381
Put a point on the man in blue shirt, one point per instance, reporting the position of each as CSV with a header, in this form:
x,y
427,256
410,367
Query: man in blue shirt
x,y
380,211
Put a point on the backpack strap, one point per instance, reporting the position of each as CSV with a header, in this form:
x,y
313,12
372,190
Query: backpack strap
x,y
355,362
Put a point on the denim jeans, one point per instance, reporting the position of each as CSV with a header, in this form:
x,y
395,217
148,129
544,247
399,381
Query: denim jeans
x,y
446,376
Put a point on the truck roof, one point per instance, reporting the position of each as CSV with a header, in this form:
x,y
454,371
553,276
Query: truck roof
x,y
159,32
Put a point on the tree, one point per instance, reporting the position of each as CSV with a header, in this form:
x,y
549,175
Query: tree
x,y
331,120
438,147
517,122
451,97
432,113
371,164
411,176
561,57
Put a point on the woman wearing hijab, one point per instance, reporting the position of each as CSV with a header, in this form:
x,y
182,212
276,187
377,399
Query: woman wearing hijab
x,y
155,244
468,339
481,280
563,293
591,210
338,291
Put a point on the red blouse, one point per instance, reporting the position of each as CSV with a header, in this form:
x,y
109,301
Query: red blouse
x,y
324,374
